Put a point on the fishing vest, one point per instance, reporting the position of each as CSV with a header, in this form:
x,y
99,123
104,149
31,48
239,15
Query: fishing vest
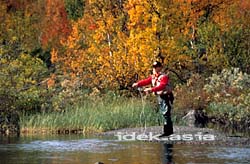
x,y
156,82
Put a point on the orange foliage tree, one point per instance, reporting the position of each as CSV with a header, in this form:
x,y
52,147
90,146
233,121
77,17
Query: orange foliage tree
x,y
115,42
55,25
93,50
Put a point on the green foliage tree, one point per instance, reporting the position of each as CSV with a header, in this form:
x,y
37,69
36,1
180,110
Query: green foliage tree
x,y
236,38
237,48
22,77
208,52
75,8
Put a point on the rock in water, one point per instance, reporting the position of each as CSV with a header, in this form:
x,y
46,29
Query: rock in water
x,y
195,118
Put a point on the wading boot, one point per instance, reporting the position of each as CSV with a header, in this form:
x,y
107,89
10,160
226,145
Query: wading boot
x,y
167,130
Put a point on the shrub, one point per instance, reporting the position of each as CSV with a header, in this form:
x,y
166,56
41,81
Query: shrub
x,y
229,93
191,95
225,95
229,115
22,77
230,86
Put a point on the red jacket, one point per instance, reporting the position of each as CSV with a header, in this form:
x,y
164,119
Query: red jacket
x,y
162,82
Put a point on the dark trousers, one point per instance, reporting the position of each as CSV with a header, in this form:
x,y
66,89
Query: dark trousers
x,y
165,103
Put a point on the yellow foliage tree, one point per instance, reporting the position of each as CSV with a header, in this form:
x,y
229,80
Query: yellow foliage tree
x,y
115,42
93,50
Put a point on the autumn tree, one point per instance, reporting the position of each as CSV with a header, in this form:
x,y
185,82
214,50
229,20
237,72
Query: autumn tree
x,y
55,25
115,42
142,42
201,30
20,22
95,45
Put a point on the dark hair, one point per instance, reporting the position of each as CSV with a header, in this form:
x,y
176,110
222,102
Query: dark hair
x,y
157,64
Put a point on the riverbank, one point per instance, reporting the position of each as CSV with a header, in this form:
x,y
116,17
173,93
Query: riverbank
x,y
90,117
182,135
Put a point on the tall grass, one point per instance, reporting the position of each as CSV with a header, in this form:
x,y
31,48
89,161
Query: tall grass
x,y
94,116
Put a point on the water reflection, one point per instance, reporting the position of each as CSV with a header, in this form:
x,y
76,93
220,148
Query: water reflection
x,y
9,140
167,153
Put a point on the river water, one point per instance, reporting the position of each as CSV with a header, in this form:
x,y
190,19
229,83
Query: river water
x,y
89,150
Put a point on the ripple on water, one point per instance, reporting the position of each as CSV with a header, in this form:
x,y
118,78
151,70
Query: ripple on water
x,y
236,154
214,153
87,145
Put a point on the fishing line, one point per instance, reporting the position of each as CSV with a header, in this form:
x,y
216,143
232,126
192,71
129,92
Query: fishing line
x,y
142,114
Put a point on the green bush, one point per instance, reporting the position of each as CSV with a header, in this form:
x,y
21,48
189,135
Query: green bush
x,y
230,86
225,97
230,98
230,116
23,77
